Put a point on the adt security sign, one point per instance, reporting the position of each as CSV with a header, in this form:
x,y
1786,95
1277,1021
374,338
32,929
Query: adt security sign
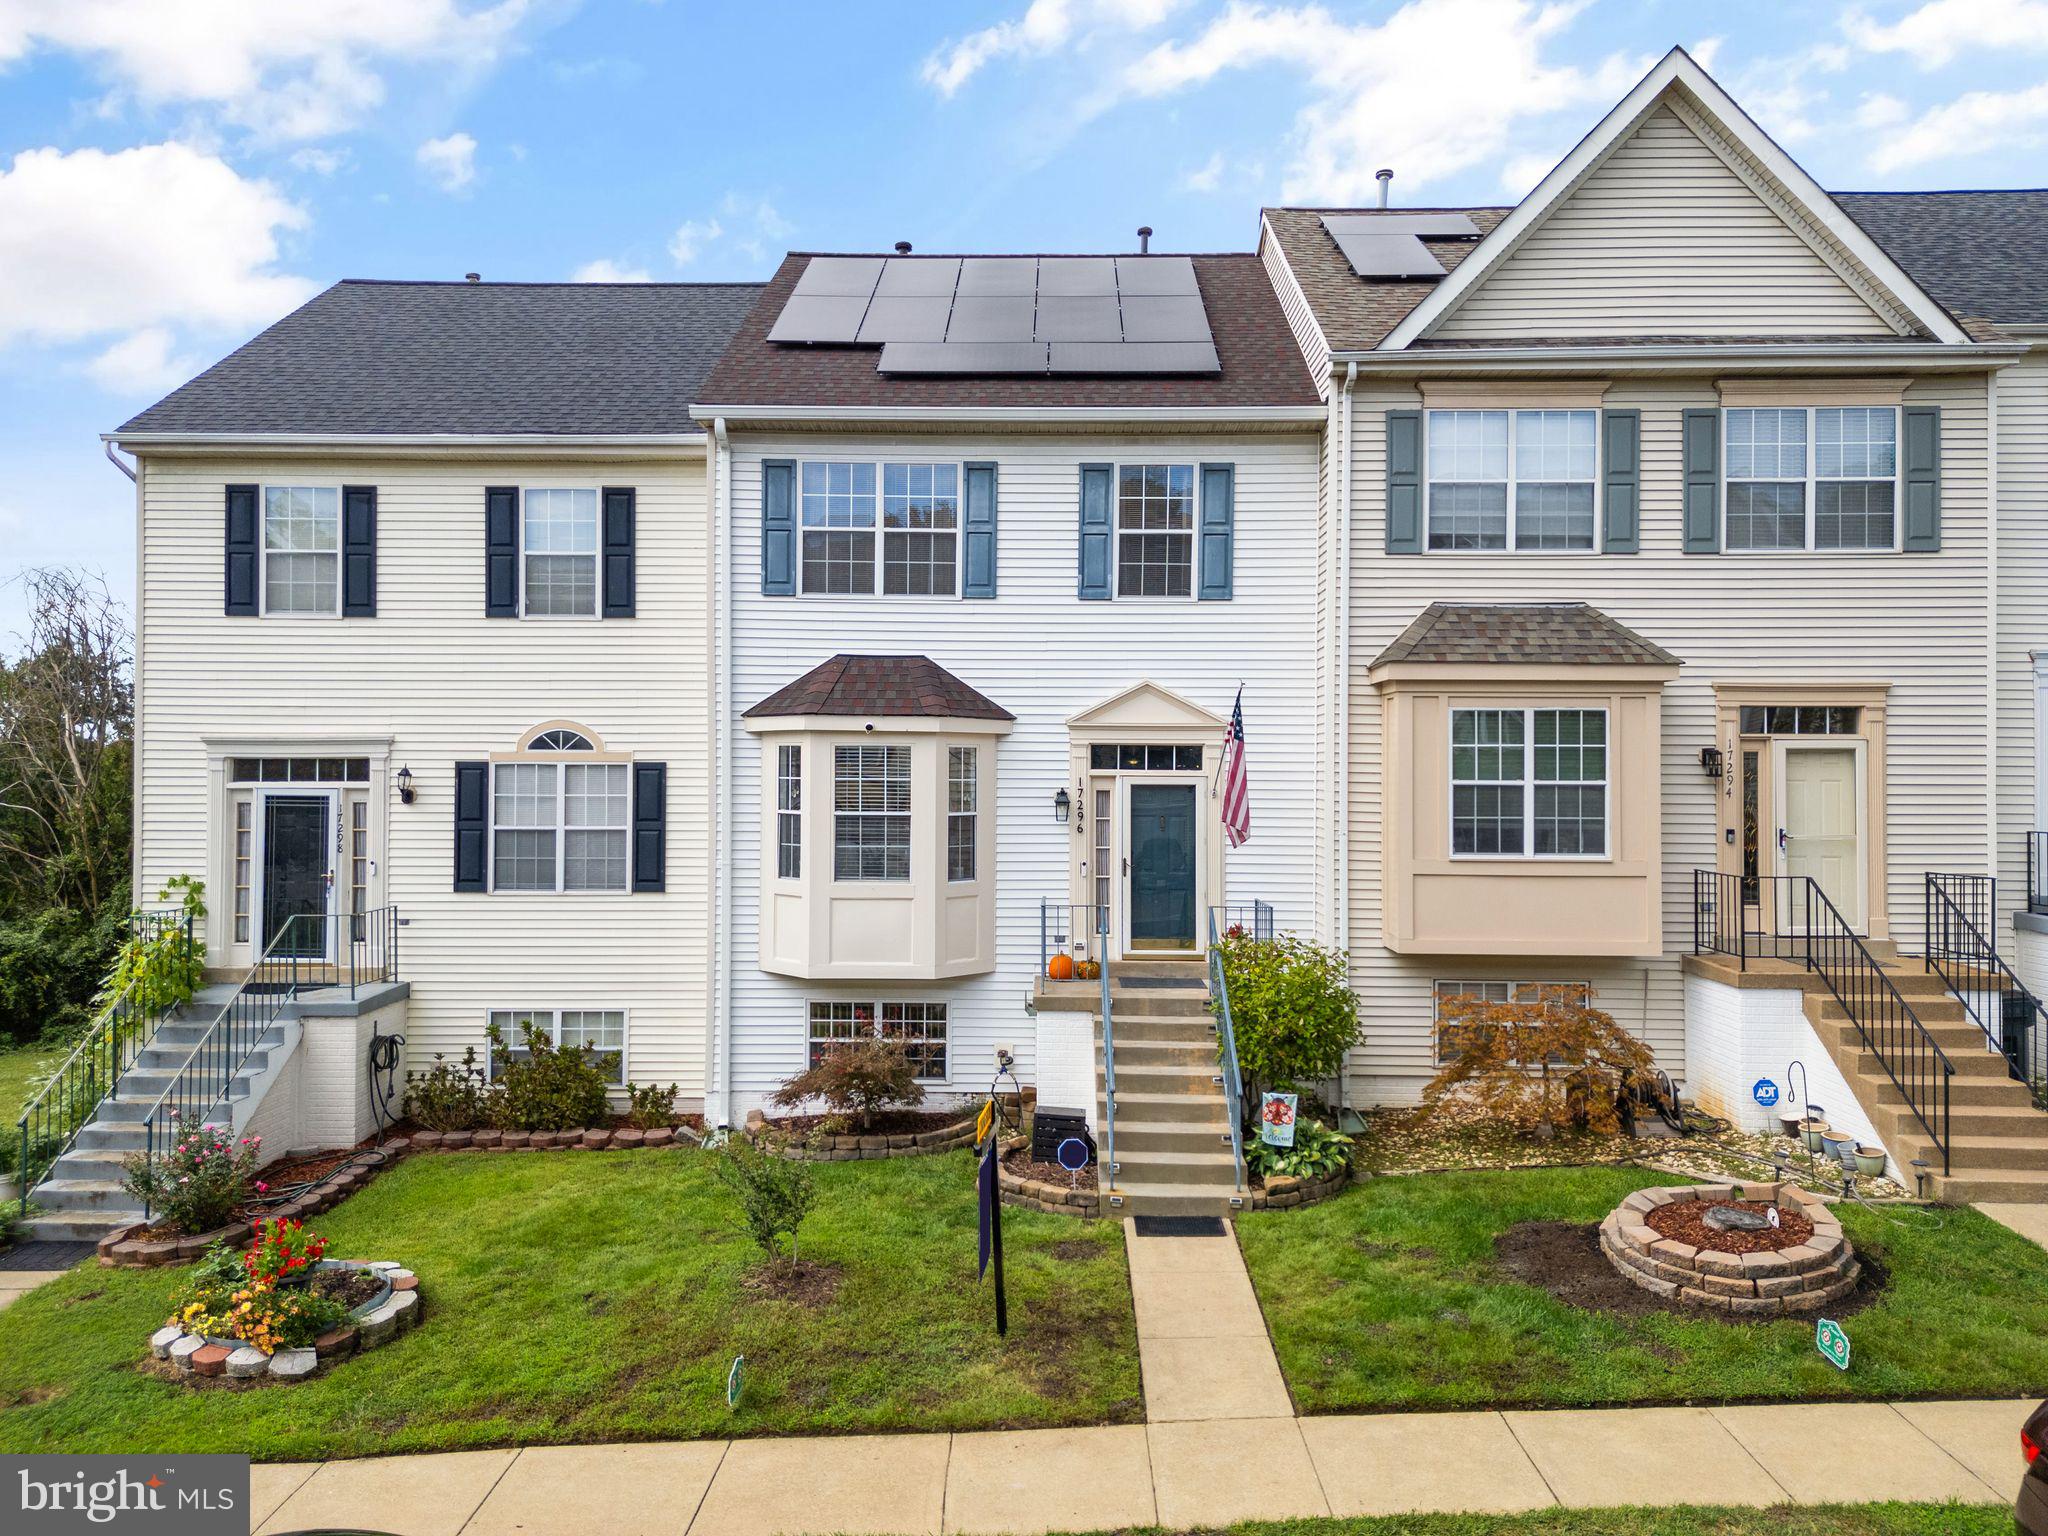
x,y
1829,1339
1765,1092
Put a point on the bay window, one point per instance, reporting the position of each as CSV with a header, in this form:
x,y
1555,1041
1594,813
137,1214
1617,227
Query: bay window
x,y
871,813
1529,783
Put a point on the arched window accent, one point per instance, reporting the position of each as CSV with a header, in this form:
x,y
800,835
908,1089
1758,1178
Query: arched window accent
x,y
559,741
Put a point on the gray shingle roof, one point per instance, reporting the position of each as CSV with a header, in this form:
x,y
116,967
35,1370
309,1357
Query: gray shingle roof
x,y
1982,255
474,358
1522,634
880,685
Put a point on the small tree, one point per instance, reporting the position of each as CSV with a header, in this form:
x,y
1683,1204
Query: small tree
x,y
775,1193
858,1080
1292,1012
1548,1062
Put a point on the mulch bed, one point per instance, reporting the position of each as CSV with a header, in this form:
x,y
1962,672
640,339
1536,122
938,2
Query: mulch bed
x,y
1685,1222
1020,1162
1564,1259
350,1287
808,1283
890,1122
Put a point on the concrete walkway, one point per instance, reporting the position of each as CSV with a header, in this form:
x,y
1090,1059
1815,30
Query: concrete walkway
x,y
1202,1344
17,1283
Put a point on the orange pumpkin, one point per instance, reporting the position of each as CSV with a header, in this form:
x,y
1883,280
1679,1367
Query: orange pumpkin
x,y
1088,970
1060,967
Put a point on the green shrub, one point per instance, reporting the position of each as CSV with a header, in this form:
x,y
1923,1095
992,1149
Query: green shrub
x,y
51,963
1291,1011
775,1193
548,1089
652,1107
1317,1150
200,1183
449,1096
856,1080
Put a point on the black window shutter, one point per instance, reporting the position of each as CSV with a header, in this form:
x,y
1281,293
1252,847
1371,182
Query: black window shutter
x,y
650,826
1097,493
1622,475
472,826
1921,460
501,552
1218,522
359,551
242,534
619,519
778,527
978,525
1701,457
1404,483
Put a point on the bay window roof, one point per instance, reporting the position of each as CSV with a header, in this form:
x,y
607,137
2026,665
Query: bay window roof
x,y
875,687
1521,634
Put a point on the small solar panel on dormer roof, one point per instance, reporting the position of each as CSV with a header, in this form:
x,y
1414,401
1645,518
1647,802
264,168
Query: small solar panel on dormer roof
x,y
1386,245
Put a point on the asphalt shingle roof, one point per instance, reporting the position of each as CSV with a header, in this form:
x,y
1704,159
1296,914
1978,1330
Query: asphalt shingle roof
x,y
877,686
472,358
1524,634
1982,255
1355,312
1262,365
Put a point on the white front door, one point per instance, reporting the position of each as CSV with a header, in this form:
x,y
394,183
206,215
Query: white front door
x,y
1820,820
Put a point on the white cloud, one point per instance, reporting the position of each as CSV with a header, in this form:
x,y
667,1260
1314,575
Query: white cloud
x,y
605,270
289,69
1878,110
142,364
320,162
1207,176
747,222
95,244
1974,122
690,238
1045,27
1933,34
450,162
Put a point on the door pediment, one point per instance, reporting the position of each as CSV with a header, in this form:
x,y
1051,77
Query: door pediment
x,y
1145,707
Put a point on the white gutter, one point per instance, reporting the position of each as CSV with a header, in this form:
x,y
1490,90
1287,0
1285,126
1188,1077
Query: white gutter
x,y
1991,758
719,1115
549,440
1341,779
1946,355
1307,415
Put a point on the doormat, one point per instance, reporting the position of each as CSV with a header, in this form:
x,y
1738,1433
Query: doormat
x,y
1179,1226
44,1256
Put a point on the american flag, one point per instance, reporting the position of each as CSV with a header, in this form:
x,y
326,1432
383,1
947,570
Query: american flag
x,y
1237,800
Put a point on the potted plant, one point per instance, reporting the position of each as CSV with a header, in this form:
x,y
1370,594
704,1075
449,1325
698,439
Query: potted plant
x,y
1788,1125
1870,1162
1842,1149
1813,1130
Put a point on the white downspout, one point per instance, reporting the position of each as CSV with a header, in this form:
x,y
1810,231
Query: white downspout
x,y
719,1114
1992,755
1341,777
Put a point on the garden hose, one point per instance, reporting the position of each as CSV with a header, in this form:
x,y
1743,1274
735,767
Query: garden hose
x,y
386,1055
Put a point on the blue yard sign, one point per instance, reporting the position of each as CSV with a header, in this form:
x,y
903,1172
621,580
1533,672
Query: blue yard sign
x,y
1765,1092
1829,1339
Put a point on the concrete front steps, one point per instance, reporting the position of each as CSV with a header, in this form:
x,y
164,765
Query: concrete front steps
x,y
1172,1124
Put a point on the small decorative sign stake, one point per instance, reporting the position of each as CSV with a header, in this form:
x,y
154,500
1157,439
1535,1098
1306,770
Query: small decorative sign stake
x,y
1772,1216
735,1382
1276,1118
985,1121
1073,1156
1829,1339
1765,1092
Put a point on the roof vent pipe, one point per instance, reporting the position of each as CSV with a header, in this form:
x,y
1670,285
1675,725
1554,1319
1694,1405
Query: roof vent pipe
x,y
1385,177
902,247
472,277
1144,239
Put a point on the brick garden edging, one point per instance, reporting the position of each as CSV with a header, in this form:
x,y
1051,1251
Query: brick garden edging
x,y
1039,1195
847,1148
195,1354
1792,1281
1285,1193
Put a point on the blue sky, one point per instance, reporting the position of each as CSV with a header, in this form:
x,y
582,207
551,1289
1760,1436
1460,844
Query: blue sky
x,y
174,174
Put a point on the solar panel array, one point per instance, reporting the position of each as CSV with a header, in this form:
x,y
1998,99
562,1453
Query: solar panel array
x,y
1390,244
1006,314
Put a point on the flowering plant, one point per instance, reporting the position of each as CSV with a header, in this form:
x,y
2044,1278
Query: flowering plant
x,y
282,1249
201,1182
238,1297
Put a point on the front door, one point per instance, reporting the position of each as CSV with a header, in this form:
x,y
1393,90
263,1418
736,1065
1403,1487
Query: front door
x,y
296,840
1162,844
1820,830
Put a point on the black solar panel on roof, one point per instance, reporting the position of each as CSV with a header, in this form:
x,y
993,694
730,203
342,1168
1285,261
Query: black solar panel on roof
x,y
1006,357
1390,244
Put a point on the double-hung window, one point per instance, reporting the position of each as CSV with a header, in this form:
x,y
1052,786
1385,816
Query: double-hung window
x,y
789,812
871,813
302,549
570,1029
901,541
1529,783
1513,480
963,799
1155,530
1821,478
559,827
558,538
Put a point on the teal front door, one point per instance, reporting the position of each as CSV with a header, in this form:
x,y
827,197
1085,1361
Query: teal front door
x,y
1162,866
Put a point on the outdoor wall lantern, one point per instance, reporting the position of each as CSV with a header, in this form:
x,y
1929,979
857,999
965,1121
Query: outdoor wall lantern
x,y
1710,762
1062,806
405,789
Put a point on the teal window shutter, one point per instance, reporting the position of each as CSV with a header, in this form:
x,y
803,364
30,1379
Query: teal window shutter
x,y
1097,493
778,527
1921,460
1218,518
1404,482
978,525
1621,481
242,534
501,552
1701,456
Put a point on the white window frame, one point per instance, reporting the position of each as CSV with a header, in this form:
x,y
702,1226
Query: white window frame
x,y
554,1014
1514,987
596,558
908,815
263,552
1529,782
1192,533
882,466
791,788
1513,481
971,815
875,1005
1813,480
558,761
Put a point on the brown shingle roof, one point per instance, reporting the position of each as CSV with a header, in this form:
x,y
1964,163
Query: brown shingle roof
x,y
1261,363
880,686
1525,634
1355,312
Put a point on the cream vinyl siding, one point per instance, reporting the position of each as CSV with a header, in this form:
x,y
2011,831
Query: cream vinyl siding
x,y
1662,238
446,684
1917,622
2022,616
1044,655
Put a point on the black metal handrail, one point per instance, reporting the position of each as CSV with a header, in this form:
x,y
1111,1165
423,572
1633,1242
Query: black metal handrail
x,y
1796,922
49,1124
1961,911
1253,919
310,950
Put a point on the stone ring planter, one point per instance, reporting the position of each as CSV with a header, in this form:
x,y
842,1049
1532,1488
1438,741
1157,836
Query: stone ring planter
x,y
1795,1280
381,1318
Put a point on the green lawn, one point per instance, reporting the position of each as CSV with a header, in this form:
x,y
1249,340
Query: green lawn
x,y
1390,1297
1818,1520
576,1296
21,1066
